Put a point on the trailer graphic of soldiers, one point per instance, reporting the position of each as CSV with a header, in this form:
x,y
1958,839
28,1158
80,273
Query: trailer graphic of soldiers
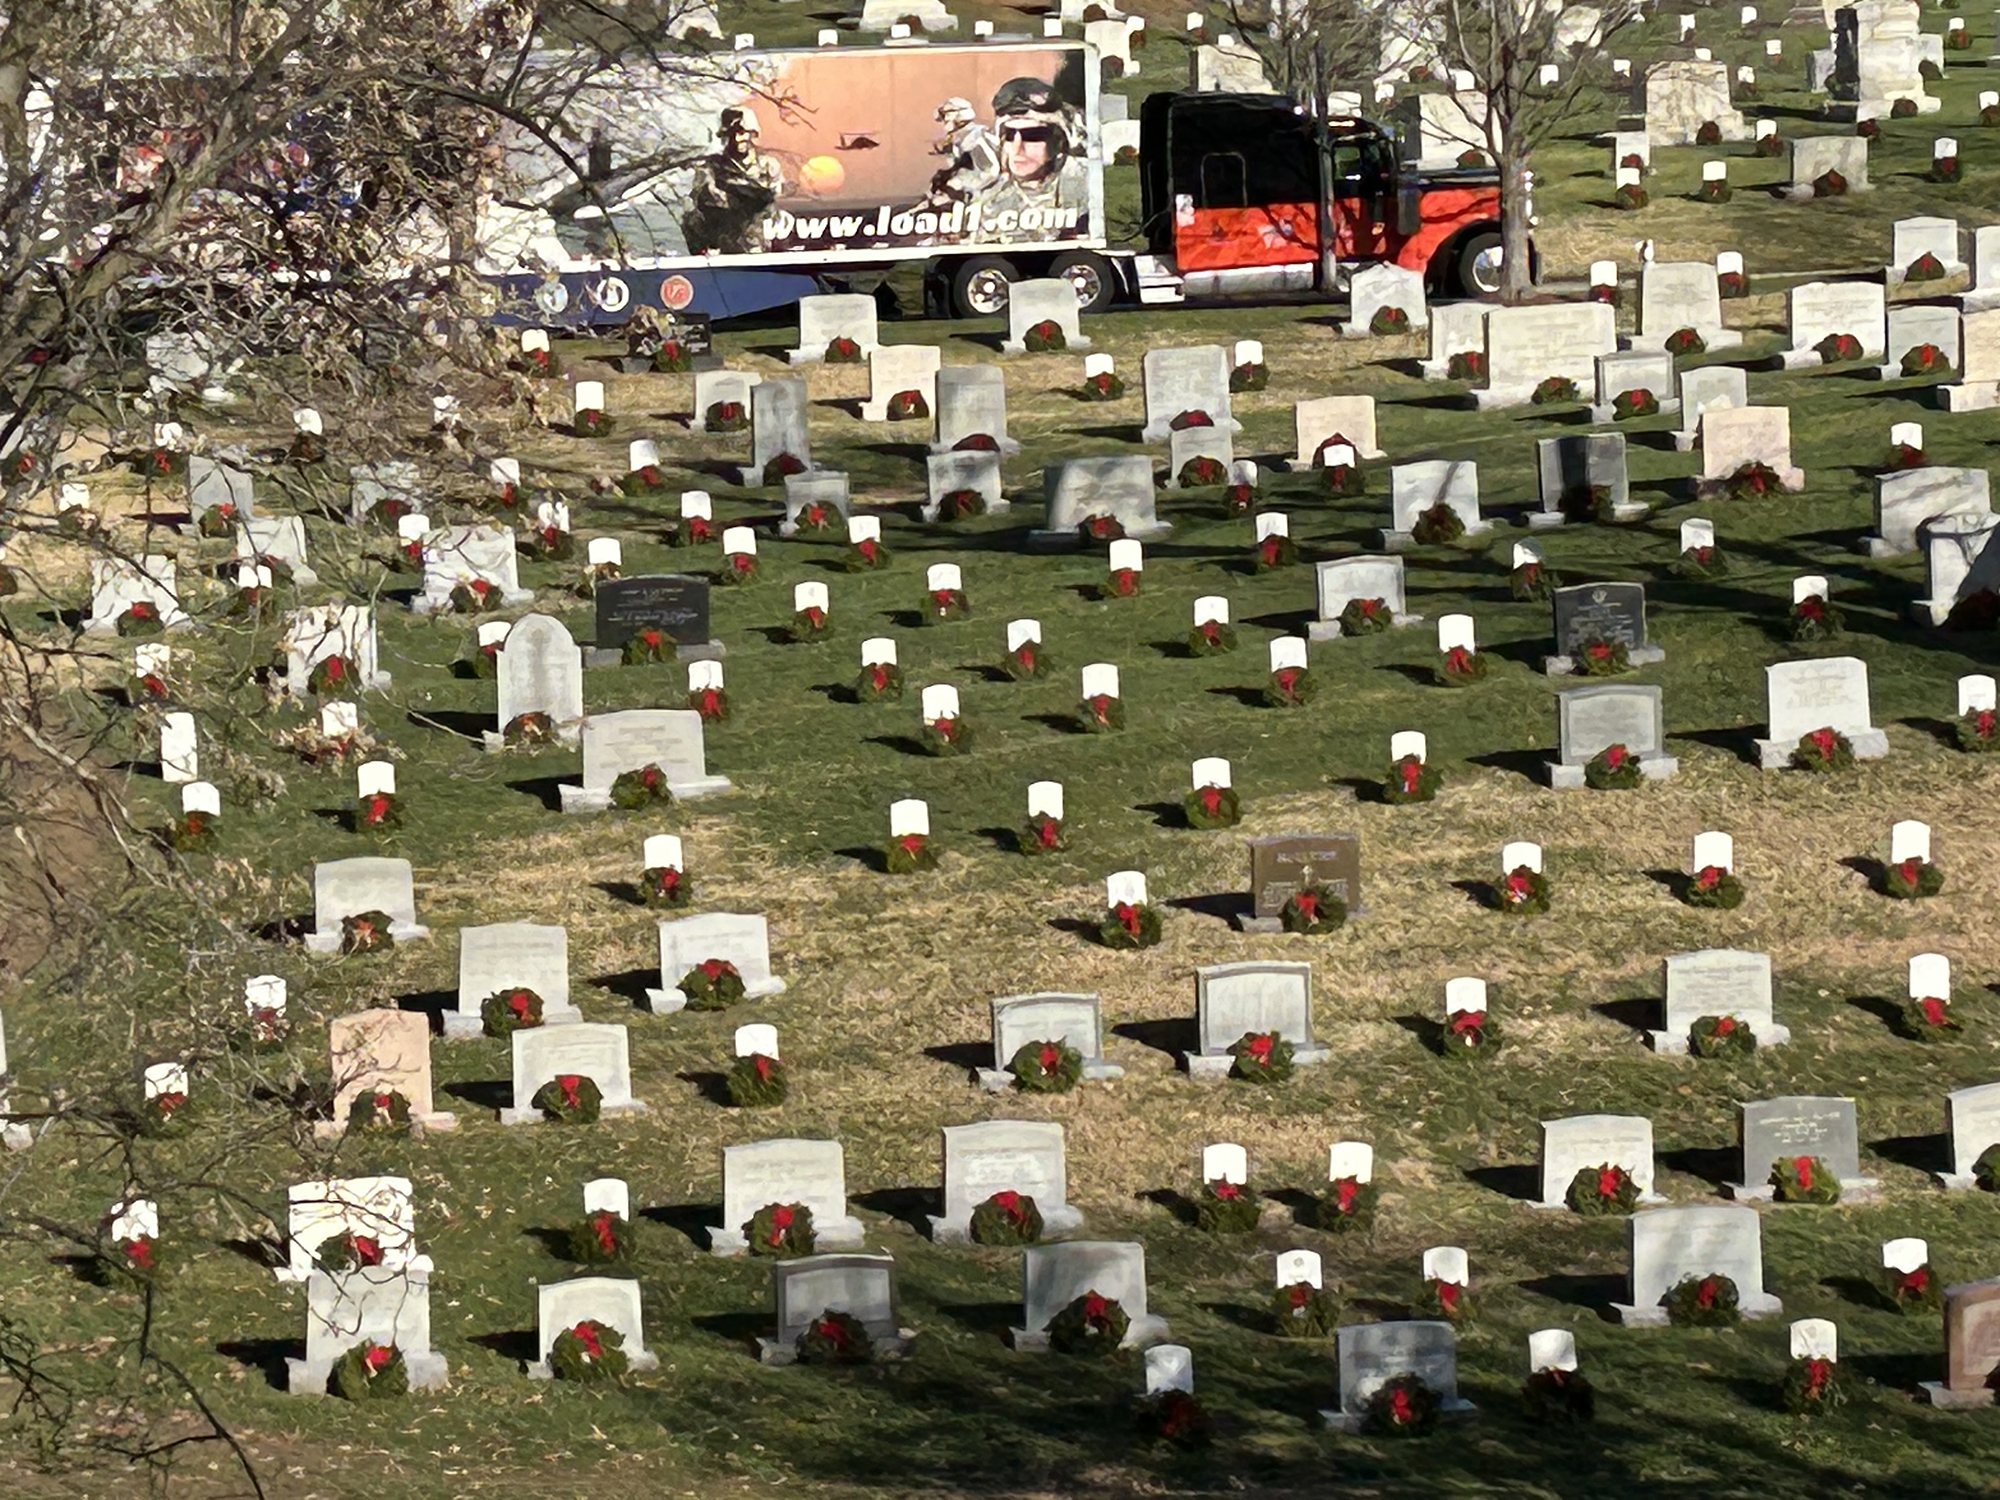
x,y
1042,170
732,189
972,161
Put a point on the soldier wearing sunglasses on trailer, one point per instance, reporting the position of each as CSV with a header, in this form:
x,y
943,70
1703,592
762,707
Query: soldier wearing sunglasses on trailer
x,y
1041,167
731,190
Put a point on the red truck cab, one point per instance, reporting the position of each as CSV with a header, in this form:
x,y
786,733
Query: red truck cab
x,y
1230,186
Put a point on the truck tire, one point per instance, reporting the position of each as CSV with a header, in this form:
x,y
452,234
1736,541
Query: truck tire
x,y
1090,274
1477,271
979,286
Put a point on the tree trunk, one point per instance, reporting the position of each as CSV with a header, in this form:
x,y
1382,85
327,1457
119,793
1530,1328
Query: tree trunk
x,y
1516,271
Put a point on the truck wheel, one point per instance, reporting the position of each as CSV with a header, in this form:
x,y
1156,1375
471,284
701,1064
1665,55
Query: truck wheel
x,y
1089,275
1478,269
979,286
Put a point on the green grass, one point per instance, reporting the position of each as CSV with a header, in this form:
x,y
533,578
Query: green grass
x,y
890,978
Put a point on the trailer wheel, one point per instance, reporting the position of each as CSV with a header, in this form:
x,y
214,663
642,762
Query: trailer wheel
x,y
1478,269
979,286
1089,275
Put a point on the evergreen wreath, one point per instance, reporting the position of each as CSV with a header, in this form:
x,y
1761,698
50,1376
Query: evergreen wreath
x,y
664,888
1469,1034
1928,1019
757,1082
1437,526
1289,687
365,932
1041,835
1211,638
1411,780
908,854
1524,892
1314,911
1822,750
1702,1302
1721,1036
642,788
1613,769
1007,1218
1348,1206
1804,1179
1092,1326
1227,1207
1402,1406
1261,1057
1365,617
1212,807
713,984
1600,1191
589,1352
1912,880
378,1109
369,1372
835,1338
1811,1386
1551,1396
509,1011
1304,1311
602,1238
781,1230
1051,1067
570,1099
1126,926
1713,887
1601,658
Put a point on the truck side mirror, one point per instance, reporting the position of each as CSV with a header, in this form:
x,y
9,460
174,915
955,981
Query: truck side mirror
x,y
1409,208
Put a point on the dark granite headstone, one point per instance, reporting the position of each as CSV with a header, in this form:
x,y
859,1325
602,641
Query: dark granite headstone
x,y
1610,612
1281,866
671,602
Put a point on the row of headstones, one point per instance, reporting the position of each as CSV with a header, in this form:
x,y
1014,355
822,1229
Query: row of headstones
x,y
387,1303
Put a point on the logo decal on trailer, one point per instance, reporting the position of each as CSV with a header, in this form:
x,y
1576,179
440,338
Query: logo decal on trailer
x,y
611,294
676,292
552,297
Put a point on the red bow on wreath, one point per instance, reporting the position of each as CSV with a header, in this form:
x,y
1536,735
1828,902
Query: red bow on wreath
x,y
570,1084
377,1358
1211,800
833,1332
710,702
1287,679
781,1223
912,844
593,1347
1616,756
1802,1166
1704,1295
1448,1295
1610,1182
1008,1202
1345,1192
761,1065
1909,870
1933,1010
1914,1283
1824,741
1259,1048
1710,877
1413,772
607,1235
1400,1410
1050,1057
1308,905
867,547
942,599
1128,917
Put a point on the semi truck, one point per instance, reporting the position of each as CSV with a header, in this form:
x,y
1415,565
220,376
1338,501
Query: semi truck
x,y
787,173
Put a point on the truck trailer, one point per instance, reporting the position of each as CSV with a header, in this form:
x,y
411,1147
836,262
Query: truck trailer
x,y
786,173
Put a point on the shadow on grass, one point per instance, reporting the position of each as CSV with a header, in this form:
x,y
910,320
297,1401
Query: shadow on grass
x,y
712,1086
1249,697
517,1346
1176,1037
1592,1292
693,1220
1902,1372
911,1205
630,985
624,891
1482,893
1224,906
867,856
993,1319
1885,1010
1921,1153
1639,1012
482,1094
265,1356
1740,743
1714,1165
1174,1202
543,788
1676,882
1523,1182
1527,764
1426,1030
903,744
968,1056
